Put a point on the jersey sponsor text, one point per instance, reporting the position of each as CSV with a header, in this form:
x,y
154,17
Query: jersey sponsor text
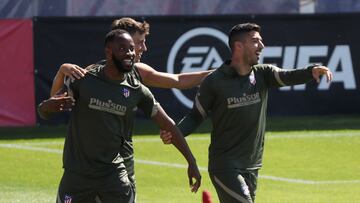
x,y
245,100
107,106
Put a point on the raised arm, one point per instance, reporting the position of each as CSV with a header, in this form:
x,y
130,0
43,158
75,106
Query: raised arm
x,y
284,77
151,77
165,122
66,69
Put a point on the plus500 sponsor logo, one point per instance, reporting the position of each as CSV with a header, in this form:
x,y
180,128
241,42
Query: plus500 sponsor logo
x,y
200,57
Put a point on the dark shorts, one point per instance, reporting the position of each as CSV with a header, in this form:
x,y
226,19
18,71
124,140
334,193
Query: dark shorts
x,y
76,188
235,185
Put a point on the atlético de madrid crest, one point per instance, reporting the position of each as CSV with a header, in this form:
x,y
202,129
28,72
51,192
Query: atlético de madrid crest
x,y
126,92
67,199
252,78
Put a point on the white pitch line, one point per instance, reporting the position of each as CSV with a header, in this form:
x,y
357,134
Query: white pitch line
x,y
304,135
171,165
175,165
308,182
271,136
30,148
158,139
314,135
289,180
41,143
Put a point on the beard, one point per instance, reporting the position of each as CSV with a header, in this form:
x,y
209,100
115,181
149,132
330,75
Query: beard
x,y
120,66
252,59
255,61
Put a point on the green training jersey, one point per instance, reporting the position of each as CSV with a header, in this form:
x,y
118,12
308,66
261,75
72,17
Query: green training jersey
x,y
237,106
127,150
101,120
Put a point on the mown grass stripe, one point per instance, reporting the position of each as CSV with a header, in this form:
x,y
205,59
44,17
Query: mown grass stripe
x,y
175,165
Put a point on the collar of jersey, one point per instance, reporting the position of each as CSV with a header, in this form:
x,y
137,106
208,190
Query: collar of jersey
x,y
99,73
228,70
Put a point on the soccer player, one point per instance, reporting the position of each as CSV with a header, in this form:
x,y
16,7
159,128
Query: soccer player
x,y
99,123
235,97
143,72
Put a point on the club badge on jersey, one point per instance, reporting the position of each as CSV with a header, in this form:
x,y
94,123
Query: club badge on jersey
x,y
67,199
252,78
126,92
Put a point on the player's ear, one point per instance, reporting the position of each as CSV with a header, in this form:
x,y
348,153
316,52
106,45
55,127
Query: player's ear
x,y
238,44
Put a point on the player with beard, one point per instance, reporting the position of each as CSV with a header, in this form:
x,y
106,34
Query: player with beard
x,y
236,94
142,72
94,168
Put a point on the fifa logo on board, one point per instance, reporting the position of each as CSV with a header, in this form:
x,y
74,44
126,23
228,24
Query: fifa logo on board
x,y
337,59
204,47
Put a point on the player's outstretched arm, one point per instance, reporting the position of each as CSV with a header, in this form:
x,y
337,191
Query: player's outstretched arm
x,y
151,77
166,123
66,69
278,77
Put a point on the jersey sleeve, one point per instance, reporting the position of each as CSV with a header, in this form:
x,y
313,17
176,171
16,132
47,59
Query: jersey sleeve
x,y
202,106
137,73
134,77
148,104
278,77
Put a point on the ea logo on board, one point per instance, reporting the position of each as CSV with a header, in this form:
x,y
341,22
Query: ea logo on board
x,y
198,49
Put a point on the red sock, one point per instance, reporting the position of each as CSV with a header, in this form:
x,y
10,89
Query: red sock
x,y
206,197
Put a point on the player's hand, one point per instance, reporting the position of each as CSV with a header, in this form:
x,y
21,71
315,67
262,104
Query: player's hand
x,y
165,136
73,71
58,103
317,71
194,177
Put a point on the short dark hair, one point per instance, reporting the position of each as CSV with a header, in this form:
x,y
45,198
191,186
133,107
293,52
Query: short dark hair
x,y
114,34
237,32
131,25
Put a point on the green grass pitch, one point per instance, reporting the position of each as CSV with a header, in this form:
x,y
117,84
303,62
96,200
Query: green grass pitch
x,y
299,166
